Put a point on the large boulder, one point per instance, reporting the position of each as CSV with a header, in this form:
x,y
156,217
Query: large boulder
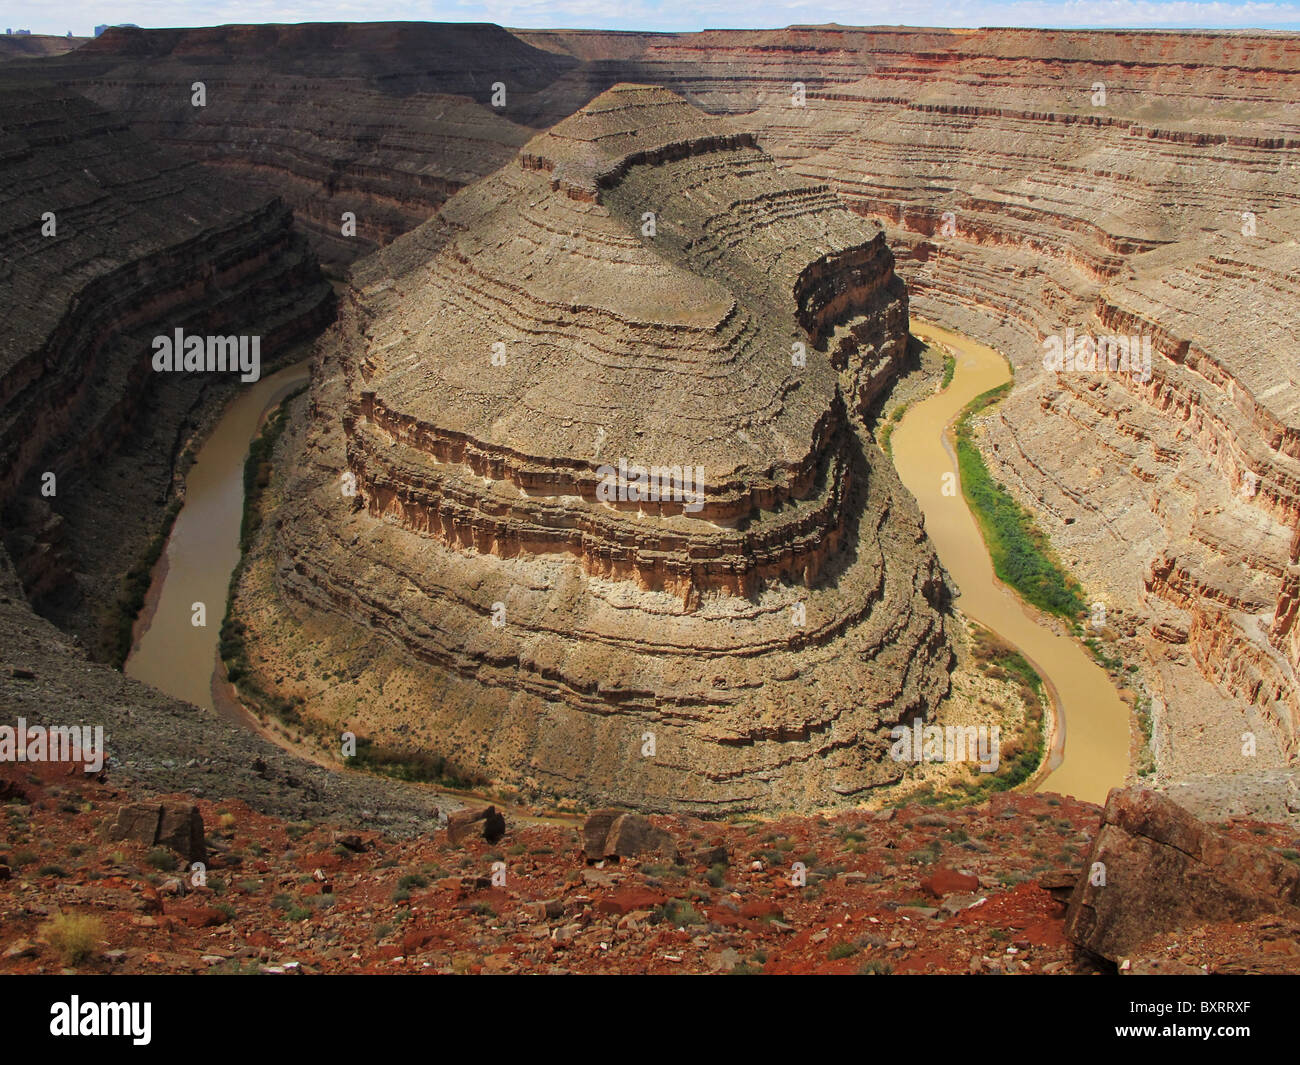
x,y
488,820
615,834
180,827
170,823
1155,868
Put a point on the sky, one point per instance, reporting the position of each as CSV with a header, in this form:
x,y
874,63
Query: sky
x,y
81,16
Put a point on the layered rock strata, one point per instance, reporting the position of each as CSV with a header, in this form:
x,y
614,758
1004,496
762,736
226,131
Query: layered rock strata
x,y
1035,226
1032,182
379,121
642,288
107,243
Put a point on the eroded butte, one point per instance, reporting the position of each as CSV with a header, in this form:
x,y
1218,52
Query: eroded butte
x,y
641,287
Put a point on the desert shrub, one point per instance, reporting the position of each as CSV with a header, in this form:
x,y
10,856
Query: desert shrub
x,y
73,937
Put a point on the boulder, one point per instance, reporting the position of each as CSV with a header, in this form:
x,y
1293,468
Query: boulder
x,y
1165,871
615,834
488,821
349,841
171,823
136,823
180,827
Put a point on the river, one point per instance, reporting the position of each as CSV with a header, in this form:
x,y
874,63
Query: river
x,y
1090,744
1091,722
170,652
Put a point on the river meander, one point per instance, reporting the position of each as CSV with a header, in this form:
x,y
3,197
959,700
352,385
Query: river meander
x,y
170,652
1090,745
1091,739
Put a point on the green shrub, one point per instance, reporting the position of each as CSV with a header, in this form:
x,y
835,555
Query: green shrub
x,y
1022,556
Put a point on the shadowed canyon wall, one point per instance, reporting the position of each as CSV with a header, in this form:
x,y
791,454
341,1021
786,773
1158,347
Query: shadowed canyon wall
x,y
107,242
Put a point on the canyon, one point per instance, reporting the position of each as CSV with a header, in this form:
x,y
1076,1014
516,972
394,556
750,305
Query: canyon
x,y
108,242
1030,182
522,259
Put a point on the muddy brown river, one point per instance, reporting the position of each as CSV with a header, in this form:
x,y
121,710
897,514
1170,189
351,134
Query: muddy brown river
x,y
1090,744
170,652
1091,736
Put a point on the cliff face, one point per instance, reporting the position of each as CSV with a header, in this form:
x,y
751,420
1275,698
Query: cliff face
x,y
383,120
1040,187
35,46
767,624
108,242
1030,182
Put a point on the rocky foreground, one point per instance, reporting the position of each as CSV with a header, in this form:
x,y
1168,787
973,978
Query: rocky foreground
x,y
94,880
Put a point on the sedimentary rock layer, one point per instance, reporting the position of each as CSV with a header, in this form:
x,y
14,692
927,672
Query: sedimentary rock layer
x,y
1035,195
767,628
382,121
107,242
33,46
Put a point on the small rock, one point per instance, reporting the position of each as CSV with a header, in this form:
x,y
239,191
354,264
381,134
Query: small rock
x,y
22,948
348,840
944,881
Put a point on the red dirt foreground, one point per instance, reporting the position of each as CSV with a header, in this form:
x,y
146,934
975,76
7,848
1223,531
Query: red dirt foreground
x,y
287,897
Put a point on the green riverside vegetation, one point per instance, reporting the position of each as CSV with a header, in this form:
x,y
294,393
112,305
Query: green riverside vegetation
x,y
136,584
1022,556
949,368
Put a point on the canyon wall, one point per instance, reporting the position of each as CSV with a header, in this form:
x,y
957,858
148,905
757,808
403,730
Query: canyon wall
x,y
1031,182
382,120
35,46
106,243
1137,186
